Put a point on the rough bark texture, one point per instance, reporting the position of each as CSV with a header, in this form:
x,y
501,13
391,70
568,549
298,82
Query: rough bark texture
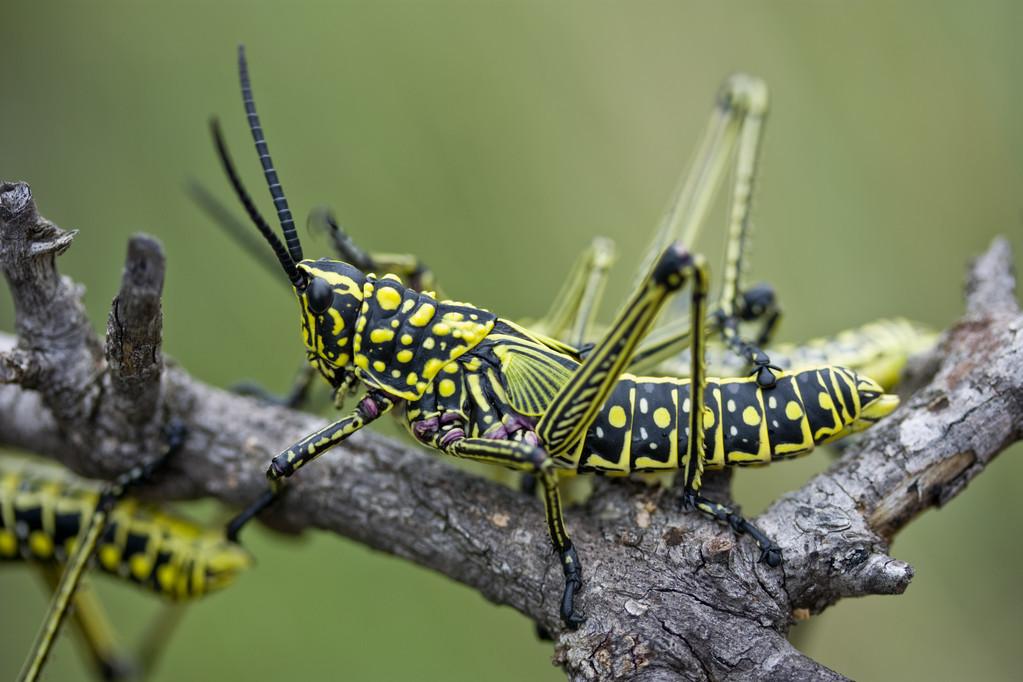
x,y
668,595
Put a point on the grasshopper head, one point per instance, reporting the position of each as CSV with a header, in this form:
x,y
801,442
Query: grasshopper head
x,y
330,298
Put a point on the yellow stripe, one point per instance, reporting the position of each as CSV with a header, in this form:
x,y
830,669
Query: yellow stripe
x,y
839,396
808,442
765,437
719,436
556,429
825,431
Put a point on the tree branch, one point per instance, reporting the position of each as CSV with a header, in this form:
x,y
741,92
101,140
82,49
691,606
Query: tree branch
x,y
134,333
668,594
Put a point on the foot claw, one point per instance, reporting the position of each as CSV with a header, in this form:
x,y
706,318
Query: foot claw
x,y
573,620
573,585
771,555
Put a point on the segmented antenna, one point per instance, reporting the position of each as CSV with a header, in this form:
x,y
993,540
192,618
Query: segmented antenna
x,y
239,189
235,228
276,192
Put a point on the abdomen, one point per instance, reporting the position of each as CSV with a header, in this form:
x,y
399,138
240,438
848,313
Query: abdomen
x,y
644,425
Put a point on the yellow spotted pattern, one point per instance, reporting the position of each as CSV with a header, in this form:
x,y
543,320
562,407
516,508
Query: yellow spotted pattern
x,y
422,316
616,417
750,416
388,298
47,490
381,335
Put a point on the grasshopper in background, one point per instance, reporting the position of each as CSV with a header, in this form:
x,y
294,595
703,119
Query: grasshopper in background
x,y
476,386
55,521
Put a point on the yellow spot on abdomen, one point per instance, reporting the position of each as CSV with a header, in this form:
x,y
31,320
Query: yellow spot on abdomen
x,y
793,411
708,418
446,388
750,416
388,298
431,367
616,417
40,544
379,365
824,400
441,329
165,576
8,543
662,417
109,556
140,566
406,339
411,379
404,355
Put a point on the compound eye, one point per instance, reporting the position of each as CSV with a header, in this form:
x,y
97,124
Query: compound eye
x,y
319,296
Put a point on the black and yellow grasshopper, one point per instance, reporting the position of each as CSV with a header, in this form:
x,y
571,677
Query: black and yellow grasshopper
x,y
477,386
44,512
879,349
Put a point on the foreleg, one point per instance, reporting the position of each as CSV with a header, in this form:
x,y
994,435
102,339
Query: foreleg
x,y
309,448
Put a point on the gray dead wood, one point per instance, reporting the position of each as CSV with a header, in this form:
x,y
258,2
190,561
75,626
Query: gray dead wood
x,y
668,594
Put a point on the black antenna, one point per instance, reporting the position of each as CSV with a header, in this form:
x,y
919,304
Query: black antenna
x,y
276,192
225,219
225,158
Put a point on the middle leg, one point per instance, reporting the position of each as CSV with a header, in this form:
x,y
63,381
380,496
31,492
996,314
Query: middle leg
x,y
535,461
770,553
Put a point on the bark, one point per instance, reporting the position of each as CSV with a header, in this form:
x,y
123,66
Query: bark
x,y
669,595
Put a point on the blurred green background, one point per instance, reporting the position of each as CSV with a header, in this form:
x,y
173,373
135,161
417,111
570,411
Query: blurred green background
x,y
495,139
